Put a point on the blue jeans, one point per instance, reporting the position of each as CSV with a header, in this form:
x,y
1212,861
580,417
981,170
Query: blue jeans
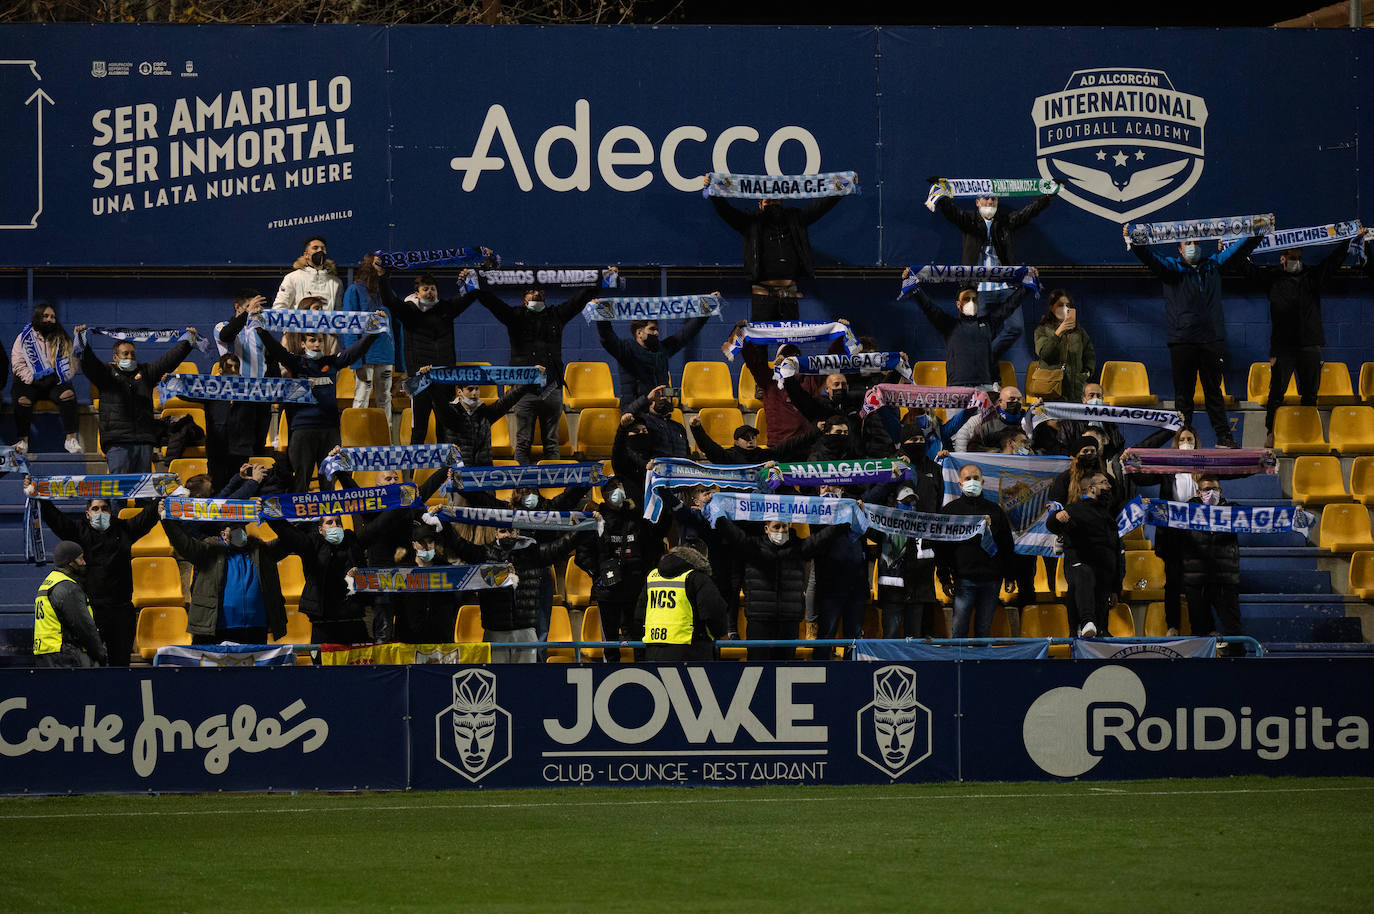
x,y
1012,327
129,458
974,597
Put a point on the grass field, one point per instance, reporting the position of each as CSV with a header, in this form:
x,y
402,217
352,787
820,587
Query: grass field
x,y
1233,844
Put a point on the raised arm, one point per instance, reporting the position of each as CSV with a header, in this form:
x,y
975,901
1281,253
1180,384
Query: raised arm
x,y
169,360
94,369
815,210
673,344
499,309
62,525
943,323
573,306
618,348
356,351
735,218
276,351
1020,217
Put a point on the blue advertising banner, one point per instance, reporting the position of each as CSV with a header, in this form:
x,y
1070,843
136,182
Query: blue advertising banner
x,y
586,145
190,729
711,725
1169,718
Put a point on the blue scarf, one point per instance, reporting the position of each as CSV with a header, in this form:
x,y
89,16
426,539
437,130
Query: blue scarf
x,y
432,578
662,308
464,375
548,476
391,457
515,519
784,187
311,506
235,387
1302,237
1182,515
841,363
932,273
790,509
768,332
1198,229
678,472
121,485
125,334
224,510
290,320
36,355
11,461
441,257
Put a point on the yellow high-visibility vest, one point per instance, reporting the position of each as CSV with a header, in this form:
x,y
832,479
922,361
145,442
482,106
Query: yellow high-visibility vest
x,y
668,612
47,628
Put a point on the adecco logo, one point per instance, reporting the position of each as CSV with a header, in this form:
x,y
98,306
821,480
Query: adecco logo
x,y
621,147
1068,730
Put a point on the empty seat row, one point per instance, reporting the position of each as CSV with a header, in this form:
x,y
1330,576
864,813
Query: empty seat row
x,y
1298,430
1319,480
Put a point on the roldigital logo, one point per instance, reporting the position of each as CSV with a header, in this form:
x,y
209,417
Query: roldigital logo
x,y
1121,141
1068,730
623,151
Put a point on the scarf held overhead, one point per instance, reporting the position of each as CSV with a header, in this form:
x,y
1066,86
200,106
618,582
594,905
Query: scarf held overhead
x,y
1287,239
227,510
236,387
916,396
1087,412
841,363
678,472
130,335
767,332
433,578
515,519
315,505
1198,229
790,509
121,485
787,187
1184,515
1222,461
836,472
289,320
662,308
967,275
547,476
467,375
988,187
530,277
438,257
922,525
391,457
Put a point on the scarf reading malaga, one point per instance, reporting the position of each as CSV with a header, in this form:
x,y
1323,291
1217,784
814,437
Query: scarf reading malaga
x,y
668,307
236,387
1198,229
786,187
766,332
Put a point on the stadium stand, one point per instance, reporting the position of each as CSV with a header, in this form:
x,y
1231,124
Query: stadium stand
x,y
1126,384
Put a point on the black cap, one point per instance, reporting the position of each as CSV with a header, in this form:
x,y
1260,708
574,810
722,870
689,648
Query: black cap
x,y
66,553
746,431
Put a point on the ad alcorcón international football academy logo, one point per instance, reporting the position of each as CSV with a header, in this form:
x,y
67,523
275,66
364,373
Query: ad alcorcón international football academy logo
x,y
1121,141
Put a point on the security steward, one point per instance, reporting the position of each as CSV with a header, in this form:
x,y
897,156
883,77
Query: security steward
x,y
681,609
64,632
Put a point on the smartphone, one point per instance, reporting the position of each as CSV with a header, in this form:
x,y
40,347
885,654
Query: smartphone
x,y
671,392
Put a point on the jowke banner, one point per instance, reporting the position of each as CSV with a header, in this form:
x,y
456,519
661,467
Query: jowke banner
x,y
311,506
781,187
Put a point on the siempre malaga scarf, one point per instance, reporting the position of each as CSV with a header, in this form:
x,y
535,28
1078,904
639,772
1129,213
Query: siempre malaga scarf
x,y
786,187
36,354
765,333
547,476
922,525
121,485
438,257
790,509
216,509
989,187
433,578
662,308
836,472
934,273
465,375
127,335
1183,515
678,473
1086,412
1198,229
297,506
515,519
841,363
1287,239
289,320
1221,461
391,457
916,396
235,387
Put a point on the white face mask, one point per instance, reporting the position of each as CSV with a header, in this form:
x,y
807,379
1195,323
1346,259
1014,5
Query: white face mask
x,y
987,212
1094,401
1185,445
127,364
969,308
238,538
314,354
536,306
530,501
100,520
1292,266
424,555
333,535
1190,253
971,487
617,497
778,537
1210,497
424,304
470,402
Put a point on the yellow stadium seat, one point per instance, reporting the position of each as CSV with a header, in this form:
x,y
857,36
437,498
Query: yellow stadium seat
x,y
1157,624
431,435
186,467
707,384
1366,391
761,424
1298,430
1352,429
198,416
748,389
157,582
929,374
298,628
174,402
560,630
1135,539
720,423
1126,384
577,584
283,432
502,441
596,427
292,577
160,626
365,427
588,384
1318,481
1335,388
467,628
262,532
591,631
1257,385
1001,624
1045,620
345,383
1120,622
1229,400
1345,528
1362,480
1006,374
152,544
1144,578
1362,574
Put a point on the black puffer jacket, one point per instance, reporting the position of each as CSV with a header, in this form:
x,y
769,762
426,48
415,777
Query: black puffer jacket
x,y
1090,536
325,597
471,431
792,220
619,558
109,568
775,576
1209,557
126,397
428,338
506,609
968,340
536,337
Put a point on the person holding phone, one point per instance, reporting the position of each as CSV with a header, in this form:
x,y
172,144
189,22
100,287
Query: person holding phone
x,y
1061,343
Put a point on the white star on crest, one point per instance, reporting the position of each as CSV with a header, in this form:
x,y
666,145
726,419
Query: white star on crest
x,y
1119,158
1101,155
1140,155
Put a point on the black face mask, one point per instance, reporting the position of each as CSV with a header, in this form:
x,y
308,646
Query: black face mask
x,y
914,449
651,342
1085,461
664,407
317,259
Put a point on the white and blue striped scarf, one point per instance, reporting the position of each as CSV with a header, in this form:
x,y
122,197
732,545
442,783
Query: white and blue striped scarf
x,y
841,363
1198,229
291,320
1087,412
935,273
790,509
1287,239
130,335
1183,515
222,510
1019,485
768,332
547,476
517,519
236,387
37,356
660,308
923,525
679,472
391,457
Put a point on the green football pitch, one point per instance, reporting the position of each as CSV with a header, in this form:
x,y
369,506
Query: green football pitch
x,y
1242,844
